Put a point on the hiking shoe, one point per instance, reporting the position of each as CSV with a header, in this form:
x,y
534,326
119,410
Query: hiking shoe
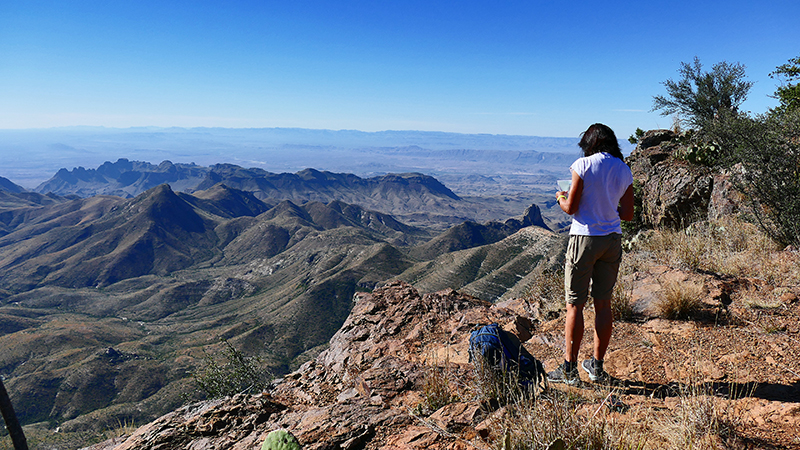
x,y
595,370
562,374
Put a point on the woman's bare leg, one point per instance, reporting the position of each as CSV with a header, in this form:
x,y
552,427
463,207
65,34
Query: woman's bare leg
x,y
603,326
573,332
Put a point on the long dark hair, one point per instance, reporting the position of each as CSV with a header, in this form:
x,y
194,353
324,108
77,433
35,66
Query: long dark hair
x,y
600,138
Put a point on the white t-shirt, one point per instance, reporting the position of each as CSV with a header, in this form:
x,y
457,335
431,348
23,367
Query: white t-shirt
x,y
605,180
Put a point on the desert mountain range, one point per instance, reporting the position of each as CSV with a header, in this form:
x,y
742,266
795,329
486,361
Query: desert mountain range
x,y
34,155
413,198
110,301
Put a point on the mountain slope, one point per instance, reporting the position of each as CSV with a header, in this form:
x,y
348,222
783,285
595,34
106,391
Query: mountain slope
x,y
412,198
12,200
226,202
159,277
95,293
9,186
459,237
155,233
314,185
495,271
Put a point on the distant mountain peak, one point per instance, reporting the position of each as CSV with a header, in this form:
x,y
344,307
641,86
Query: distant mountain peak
x,y
9,186
166,208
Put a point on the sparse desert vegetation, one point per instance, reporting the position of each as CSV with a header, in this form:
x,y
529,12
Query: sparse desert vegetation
x,y
696,374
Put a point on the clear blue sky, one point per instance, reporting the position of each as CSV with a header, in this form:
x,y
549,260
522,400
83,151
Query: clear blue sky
x,y
499,67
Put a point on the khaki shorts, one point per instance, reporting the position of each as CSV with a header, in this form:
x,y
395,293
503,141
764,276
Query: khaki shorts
x,y
591,260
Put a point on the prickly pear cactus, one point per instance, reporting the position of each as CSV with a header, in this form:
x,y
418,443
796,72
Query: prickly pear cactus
x,y
280,440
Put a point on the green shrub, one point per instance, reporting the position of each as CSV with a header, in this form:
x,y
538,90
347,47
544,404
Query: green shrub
x,y
788,93
238,374
634,138
704,153
629,229
699,97
764,155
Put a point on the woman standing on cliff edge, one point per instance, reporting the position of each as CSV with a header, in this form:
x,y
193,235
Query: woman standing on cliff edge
x,y
600,196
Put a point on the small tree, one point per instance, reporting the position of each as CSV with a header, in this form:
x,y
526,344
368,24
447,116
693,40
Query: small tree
x,y
698,97
788,93
764,152
239,374
634,138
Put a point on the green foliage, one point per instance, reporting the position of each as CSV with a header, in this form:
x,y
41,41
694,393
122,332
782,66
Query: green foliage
x,y
634,138
699,97
788,93
701,153
280,440
764,152
238,374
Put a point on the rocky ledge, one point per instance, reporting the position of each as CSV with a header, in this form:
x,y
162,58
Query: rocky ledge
x,y
358,393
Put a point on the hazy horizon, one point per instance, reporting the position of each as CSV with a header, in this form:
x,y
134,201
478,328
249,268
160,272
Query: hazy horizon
x,y
33,156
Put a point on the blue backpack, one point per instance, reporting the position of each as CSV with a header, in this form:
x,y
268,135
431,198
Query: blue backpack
x,y
503,353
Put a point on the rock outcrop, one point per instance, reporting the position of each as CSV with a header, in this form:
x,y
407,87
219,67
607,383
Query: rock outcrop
x,y
360,391
531,217
676,192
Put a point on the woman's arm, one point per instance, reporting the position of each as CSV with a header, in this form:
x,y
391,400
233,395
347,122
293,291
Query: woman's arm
x,y
626,205
570,204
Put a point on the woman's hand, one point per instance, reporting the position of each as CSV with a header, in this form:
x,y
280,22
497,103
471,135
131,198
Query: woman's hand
x,y
570,204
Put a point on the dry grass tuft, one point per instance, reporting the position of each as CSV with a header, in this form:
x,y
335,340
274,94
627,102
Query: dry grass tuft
x,y
734,247
701,419
680,301
547,418
566,417
621,303
726,247
438,388
704,416
766,300
489,387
